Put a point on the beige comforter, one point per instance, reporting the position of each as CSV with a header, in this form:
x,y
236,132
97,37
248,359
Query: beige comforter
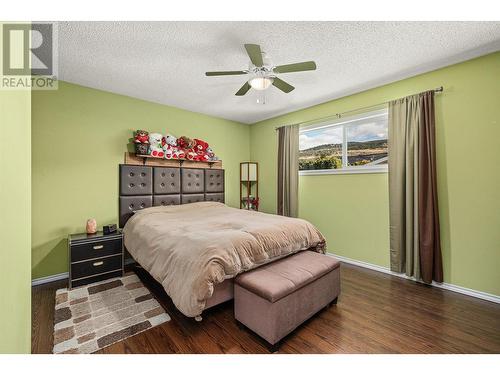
x,y
192,247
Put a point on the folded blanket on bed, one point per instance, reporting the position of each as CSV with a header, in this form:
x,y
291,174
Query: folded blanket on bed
x,y
192,247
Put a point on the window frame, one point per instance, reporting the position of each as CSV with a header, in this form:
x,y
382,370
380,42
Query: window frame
x,y
343,122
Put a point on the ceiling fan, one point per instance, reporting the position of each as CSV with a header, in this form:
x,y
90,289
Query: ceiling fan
x,y
263,73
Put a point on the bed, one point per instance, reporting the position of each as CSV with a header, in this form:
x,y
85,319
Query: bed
x,y
177,227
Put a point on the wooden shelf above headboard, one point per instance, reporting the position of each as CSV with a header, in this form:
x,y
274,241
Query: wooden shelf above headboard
x,y
133,159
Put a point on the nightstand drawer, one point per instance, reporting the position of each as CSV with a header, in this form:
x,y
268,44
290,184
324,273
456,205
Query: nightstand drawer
x,y
96,249
96,266
94,279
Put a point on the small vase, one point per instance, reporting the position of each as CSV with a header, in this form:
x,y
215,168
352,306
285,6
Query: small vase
x,y
91,226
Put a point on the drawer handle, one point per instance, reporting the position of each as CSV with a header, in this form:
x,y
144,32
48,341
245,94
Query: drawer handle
x,y
98,263
98,247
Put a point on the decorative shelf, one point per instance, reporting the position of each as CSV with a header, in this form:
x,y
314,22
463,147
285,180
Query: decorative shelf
x,y
133,159
249,179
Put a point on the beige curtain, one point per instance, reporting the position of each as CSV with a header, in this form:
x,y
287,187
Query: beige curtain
x,y
414,219
288,170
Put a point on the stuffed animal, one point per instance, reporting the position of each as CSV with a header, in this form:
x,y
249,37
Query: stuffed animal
x,y
141,142
200,148
190,154
211,155
156,145
168,146
141,136
185,143
171,149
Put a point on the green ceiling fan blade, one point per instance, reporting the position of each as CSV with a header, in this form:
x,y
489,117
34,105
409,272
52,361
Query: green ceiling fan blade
x,y
297,67
282,85
226,73
255,54
244,89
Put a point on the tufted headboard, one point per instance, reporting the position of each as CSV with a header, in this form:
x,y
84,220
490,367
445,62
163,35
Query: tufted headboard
x,y
145,186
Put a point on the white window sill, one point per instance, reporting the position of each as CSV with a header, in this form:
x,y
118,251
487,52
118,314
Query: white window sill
x,y
352,170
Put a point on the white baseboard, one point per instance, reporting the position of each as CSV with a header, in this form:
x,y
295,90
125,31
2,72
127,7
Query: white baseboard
x,y
49,279
451,287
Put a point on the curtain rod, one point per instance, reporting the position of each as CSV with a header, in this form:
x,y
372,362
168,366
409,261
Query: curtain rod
x,y
339,114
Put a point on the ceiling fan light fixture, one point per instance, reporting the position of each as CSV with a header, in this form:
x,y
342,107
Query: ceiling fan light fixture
x,y
260,83
263,73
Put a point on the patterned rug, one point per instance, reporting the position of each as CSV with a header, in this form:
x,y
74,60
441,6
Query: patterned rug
x,y
97,315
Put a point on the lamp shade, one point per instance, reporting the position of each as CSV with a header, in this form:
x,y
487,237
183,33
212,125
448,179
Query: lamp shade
x,y
249,171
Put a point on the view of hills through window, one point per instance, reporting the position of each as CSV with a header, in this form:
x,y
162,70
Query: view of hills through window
x,y
359,142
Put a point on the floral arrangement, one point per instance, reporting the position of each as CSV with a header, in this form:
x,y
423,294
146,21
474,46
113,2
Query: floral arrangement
x,y
251,203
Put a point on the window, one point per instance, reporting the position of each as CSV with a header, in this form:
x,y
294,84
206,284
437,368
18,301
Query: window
x,y
356,144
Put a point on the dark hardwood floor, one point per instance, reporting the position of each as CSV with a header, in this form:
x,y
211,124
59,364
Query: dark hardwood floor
x,y
376,313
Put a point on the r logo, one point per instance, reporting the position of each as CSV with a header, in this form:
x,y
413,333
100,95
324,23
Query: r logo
x,y
36,55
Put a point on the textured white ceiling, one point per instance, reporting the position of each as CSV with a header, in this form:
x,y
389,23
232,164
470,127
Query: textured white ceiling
x,y
165,62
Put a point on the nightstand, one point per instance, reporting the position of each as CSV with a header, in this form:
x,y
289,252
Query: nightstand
x,y
94,257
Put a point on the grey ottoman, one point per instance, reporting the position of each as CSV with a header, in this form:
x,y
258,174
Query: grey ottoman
x,y
274,299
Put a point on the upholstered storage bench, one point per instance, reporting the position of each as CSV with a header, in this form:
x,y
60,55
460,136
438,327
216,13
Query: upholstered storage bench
x,y
274,299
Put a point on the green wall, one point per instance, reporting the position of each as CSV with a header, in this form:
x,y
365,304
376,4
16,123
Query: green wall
x,y
79,137
15,220
352,210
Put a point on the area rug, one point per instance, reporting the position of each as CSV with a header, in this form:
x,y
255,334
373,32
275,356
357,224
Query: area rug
x,y
97,315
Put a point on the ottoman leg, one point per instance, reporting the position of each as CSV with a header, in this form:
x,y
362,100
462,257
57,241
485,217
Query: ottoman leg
x,y
273,348
334,302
